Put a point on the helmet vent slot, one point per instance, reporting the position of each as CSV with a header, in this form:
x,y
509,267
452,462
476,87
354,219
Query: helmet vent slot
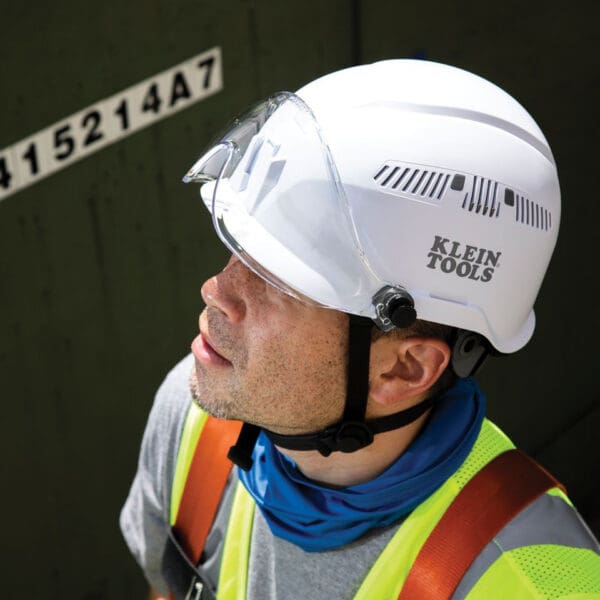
x,y
482,198
410,180
402,176
388,177
424,183
440,179
530,213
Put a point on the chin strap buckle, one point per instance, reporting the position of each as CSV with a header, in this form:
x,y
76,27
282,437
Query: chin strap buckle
x,y
353,435
349,436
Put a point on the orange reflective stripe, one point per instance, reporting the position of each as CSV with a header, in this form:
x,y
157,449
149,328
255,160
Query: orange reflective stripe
x,y
204,486
496,494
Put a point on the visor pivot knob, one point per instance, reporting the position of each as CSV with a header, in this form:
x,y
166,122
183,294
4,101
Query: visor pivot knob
x,y
402,312
395,308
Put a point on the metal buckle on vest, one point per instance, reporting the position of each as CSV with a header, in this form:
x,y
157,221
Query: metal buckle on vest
x,y
195,590
186,581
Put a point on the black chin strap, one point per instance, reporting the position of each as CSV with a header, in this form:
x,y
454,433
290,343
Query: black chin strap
x,y
469,351
349,436
352,432
241,452
359,356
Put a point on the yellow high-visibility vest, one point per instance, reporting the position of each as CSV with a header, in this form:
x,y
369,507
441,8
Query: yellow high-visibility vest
x,y
531,571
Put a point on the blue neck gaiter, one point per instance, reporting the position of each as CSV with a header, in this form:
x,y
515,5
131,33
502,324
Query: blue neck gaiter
x,y
317,518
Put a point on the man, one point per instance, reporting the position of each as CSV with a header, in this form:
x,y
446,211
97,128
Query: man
x,y
390,226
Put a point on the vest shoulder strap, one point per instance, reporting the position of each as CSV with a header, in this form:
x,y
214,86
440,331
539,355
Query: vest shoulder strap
x,y
496,494
205,481
389,572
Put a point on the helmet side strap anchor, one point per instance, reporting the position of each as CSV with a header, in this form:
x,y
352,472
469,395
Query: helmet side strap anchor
x,y
469,352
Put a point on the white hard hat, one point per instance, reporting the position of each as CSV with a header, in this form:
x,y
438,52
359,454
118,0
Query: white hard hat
x,y
400,179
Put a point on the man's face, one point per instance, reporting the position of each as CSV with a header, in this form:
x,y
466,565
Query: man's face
x,y
268,359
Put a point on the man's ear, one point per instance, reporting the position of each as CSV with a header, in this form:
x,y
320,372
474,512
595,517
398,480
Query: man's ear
x,y
404,368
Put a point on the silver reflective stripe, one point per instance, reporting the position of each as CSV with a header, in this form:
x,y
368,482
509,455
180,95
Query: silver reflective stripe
x,y
548,520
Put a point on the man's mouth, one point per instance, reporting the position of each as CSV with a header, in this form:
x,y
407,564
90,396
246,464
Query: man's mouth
x,y
205,353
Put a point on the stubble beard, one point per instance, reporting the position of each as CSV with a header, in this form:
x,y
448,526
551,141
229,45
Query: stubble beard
x,y
277,395
208,390
213,403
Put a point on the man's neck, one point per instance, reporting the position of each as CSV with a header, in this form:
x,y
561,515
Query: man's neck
x,y
342,470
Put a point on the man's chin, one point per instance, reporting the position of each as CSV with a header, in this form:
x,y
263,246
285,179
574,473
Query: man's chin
x,y
216,409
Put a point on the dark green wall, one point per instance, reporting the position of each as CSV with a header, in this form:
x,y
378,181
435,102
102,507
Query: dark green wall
x,y
101,263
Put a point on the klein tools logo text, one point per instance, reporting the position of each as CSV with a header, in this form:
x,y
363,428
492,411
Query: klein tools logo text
x,y
475,263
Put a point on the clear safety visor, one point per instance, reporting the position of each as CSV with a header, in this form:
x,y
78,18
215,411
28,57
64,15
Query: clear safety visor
x,y
277,203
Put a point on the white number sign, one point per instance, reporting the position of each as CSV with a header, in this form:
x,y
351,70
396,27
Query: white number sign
x,y
109,120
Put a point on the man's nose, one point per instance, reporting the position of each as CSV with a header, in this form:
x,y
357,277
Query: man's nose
x,y
226,291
